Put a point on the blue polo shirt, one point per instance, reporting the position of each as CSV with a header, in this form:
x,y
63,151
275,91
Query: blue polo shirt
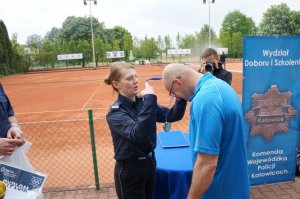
x,y
217,128
5,111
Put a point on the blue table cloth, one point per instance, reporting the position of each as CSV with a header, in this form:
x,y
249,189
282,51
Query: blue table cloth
x,y
174,172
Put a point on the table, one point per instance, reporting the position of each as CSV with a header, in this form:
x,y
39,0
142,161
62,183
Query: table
x,y
174,172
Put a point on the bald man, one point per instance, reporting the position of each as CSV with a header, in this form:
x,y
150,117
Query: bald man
x,y
216,132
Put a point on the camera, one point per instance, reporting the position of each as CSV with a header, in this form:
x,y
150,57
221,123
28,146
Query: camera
x,y
210,65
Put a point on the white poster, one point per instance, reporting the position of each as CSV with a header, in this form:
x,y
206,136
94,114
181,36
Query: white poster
x,y
115,54
221,50
179,51
69,56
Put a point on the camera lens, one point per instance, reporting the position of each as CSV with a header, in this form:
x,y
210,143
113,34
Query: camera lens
x,y
209,65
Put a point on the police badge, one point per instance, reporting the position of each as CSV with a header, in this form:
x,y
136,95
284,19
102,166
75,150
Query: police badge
x,y
270,113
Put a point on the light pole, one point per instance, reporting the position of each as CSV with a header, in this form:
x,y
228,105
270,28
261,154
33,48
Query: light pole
x,y
91,17
209,32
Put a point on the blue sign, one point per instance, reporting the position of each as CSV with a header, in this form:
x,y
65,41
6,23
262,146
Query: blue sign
x,y
20,183
271,104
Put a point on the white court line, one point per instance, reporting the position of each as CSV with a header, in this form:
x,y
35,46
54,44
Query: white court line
x,y
91,97
236,71
57,121
58,111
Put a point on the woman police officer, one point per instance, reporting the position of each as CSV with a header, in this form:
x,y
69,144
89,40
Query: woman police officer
x,y
132,122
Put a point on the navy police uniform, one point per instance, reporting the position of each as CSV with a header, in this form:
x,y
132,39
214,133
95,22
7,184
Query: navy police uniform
x,y
6,111
133,130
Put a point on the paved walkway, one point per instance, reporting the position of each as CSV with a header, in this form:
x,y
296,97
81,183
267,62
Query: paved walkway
x,y
287,190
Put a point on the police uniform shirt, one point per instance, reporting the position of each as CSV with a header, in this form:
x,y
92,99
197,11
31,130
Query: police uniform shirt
x,y
5,111
133,124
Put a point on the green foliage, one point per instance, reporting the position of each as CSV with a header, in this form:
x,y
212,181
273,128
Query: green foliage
x,y
47,46
179,40
168,41
52,34
237,45
6,52
236,25
18,56
116,46
34,42
149,48
279,20
296,22
72,46
188,41
75,37
85,48
199,41
203,37
127,44
79,28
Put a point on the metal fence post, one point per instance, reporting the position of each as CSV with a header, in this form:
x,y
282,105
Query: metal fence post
x,y
92,135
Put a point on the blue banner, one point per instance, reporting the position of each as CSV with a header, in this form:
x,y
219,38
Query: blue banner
x,y
271,104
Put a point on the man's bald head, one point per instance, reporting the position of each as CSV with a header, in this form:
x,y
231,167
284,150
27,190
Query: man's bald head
x,y
180,80
173,71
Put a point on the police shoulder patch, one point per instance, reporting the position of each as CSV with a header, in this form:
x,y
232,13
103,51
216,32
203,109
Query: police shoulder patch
x,y
115,107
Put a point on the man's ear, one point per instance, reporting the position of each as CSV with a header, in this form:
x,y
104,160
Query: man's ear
x,y
178,82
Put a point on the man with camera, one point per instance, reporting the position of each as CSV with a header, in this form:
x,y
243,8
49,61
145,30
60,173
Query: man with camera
x,y
213,64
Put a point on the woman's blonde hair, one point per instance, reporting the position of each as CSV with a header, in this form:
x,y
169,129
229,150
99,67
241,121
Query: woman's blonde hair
x,y
115,73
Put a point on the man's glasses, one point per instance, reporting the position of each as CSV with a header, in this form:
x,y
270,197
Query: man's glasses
x,y
171,88
170,93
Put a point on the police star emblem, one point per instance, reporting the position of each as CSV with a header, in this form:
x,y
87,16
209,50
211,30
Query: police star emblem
x,y
270,113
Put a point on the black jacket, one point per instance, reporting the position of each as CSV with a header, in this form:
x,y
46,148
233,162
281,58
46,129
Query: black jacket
x,y
133,124
6,111
223,74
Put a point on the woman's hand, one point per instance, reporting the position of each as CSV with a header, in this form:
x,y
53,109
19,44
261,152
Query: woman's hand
x,y
148,89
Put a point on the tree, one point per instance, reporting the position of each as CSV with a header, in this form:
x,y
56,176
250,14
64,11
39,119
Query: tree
x,y
237,44
279,20
52,34
34,42
149,48
160,45
168,41
5,47
18,56
72,46
56,46
80,28
84,47
188,41
203,37
236,23
178,40
137,51
296,22
99,50
47,46
116,45
127,44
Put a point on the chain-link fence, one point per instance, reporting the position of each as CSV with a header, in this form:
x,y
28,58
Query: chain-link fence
x,y
62,150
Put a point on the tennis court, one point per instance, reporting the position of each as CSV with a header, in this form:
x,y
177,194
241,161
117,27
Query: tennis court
x,y
52,107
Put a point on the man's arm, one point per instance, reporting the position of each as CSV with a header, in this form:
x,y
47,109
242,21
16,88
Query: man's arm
x,y
203,174
8,146
15,132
